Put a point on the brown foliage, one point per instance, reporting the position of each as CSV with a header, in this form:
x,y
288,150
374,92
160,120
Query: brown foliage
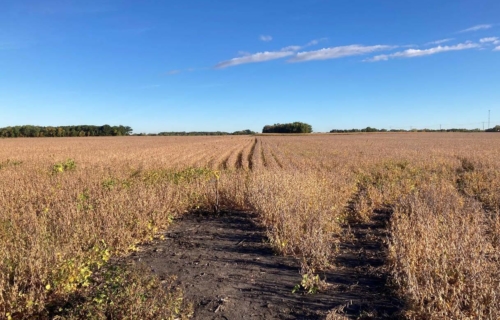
x,y
70,205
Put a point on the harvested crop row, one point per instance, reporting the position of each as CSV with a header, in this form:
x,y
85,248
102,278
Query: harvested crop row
x,y
255,160
234,161
267,156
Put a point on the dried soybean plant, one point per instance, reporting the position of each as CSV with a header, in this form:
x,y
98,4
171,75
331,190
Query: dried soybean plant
x,y
70,205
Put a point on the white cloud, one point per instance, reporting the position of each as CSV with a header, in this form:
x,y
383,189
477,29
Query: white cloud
x,y
439,41
264,56
497,49
412,53
265,38
337,52
490,39
253,58
477,28
172,72
493,40
313,42
291,48
297,48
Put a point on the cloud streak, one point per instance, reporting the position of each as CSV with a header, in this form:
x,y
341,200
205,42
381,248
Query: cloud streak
x,y
265,38
477,28
295,55
413,53
292,48
254,58
264,56
439,41
493,40
338,52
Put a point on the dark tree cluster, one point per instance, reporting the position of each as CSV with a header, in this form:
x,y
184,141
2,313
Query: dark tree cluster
x,y
494,129
243,132
29,131
369,129
295,127
203,133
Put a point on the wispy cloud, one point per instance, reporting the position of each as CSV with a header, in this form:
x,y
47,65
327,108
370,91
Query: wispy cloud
x,y
291,51
497,49
412,53
493,40
309,44
247,57
477,28
179,71
338,52
291,48
254,58
439,41
265,38
315,42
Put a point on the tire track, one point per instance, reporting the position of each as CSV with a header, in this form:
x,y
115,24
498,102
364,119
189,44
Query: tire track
x,y
226,163
250,156
227,269
276,160
206,158
276,152
262,155
256,155
220,155
268,158
235,161
189,157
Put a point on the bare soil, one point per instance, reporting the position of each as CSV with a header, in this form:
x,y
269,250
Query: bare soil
x,y
227,269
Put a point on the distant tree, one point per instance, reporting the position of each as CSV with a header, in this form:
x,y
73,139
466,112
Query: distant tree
x,y
64,131
370,129
205,133
244,132
294,127
494,129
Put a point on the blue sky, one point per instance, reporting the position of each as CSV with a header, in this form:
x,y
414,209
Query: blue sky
x,y
231,65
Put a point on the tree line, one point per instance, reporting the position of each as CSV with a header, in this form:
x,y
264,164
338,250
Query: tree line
x,y
370,129
29,131
294,127
201,133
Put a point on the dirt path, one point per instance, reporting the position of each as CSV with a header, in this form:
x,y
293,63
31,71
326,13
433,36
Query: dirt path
x,y
362,265
228,270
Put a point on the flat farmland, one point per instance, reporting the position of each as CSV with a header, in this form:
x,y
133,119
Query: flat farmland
x,y
412,219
